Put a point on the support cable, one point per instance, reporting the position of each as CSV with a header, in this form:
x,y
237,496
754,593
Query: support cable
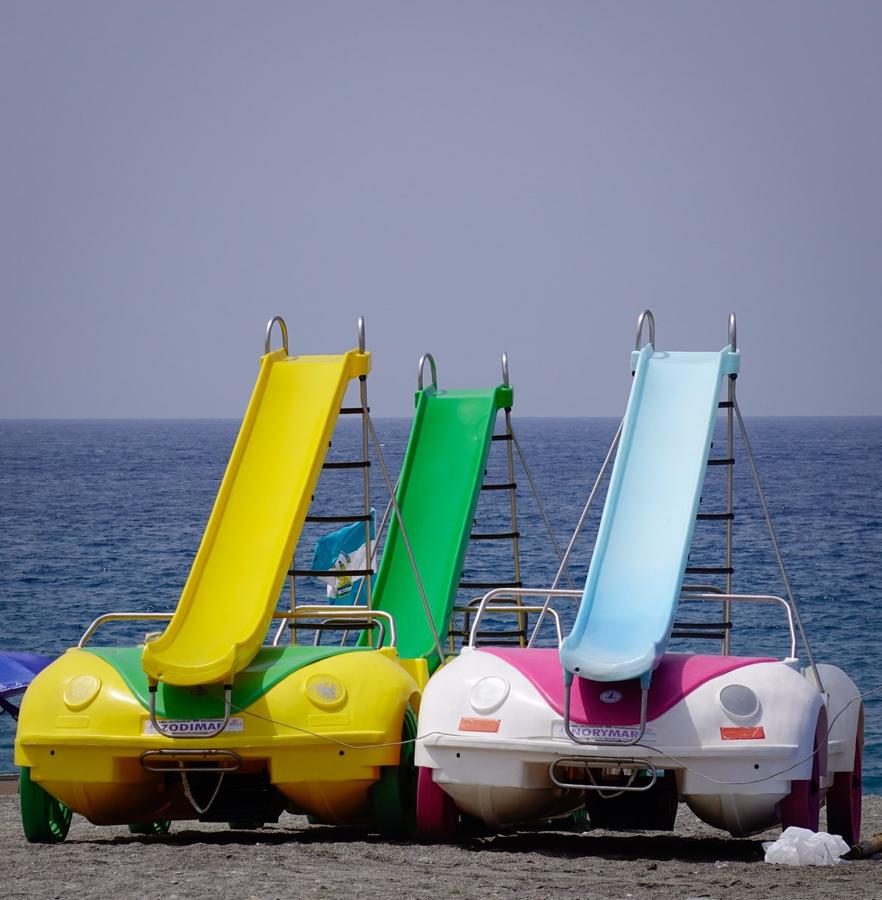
x,y
788,590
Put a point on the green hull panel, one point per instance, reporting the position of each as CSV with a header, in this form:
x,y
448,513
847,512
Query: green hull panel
x,y
266,670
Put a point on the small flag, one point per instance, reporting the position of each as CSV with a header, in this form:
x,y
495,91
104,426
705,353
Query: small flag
x,y
341,551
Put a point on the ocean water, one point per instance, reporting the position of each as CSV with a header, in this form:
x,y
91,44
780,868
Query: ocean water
x,y
100,516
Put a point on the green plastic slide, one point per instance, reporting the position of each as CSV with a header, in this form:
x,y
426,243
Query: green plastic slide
x,y
437,493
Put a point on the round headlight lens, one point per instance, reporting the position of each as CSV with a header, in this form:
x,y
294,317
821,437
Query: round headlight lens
x,y
488,694
80,691
739,701
326,692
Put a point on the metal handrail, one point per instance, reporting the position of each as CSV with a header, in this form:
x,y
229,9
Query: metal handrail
x,y
505,380
516,610
645,317
733,333
516,592
751,598
269,329
361,339
349,612
120,617
427,358
325,624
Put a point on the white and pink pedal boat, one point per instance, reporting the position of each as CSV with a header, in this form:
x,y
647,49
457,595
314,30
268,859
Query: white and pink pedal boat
x,y
608,719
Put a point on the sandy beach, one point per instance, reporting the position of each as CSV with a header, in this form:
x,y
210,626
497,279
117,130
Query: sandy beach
x,y
293,859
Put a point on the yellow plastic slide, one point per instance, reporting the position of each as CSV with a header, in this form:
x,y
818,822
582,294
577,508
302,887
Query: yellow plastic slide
x,y
234,584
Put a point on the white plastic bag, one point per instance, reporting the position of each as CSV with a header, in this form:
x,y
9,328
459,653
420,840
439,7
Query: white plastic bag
x,y
802,847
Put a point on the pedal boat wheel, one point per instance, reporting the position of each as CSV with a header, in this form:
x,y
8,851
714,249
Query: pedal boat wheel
x,y
844,796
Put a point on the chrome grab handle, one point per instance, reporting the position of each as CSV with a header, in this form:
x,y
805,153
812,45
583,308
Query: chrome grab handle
x,y
613,789
269,329
176,760
427,358
646,317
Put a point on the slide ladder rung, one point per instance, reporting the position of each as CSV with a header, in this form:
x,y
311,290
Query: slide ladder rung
x,y
516,635
506,486
724,461
491,584
361,518
709,570
725,404
495,536
716,517
501,437
331,573
354,410
349,464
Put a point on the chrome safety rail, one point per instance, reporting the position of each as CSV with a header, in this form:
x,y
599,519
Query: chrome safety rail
x,y
486,605
350,613
747,598
121,617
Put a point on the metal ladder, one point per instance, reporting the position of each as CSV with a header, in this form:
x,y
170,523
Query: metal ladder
x,y
720,630
517,637
363,464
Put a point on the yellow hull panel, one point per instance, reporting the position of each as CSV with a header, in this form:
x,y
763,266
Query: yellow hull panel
x,y
323,760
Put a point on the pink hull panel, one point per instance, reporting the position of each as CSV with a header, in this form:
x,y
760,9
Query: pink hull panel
x,y
677,676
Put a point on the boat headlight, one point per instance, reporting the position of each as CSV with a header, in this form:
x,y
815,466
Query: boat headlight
x,y
325,692
739,701
80,691
488,694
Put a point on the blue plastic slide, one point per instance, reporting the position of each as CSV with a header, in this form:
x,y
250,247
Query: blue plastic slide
x,y
636,572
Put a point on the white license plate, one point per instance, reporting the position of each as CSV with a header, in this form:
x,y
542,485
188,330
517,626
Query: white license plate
x,y
601,732
194,727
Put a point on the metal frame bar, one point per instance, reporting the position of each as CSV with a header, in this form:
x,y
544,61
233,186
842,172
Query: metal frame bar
x,y
153,686
365,449
512,496
725,648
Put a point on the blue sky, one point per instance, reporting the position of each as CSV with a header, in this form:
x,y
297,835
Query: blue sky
x,y
471,177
